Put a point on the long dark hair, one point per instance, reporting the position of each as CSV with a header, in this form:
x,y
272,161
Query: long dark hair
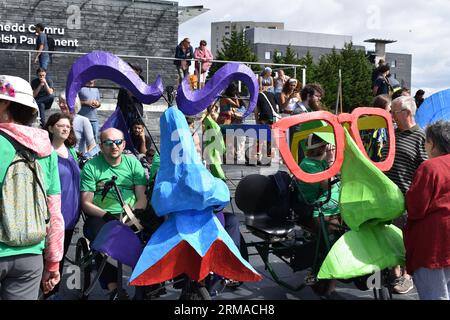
x,y
71,141
231,90
287,87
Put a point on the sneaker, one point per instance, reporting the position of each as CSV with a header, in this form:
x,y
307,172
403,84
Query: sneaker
x,y
216,284
233,284
402,285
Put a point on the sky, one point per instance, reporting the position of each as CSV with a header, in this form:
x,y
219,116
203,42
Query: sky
x,y
421,28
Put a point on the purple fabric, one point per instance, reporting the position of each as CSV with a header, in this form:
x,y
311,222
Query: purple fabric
x,y
119,242
221,218
191,102
69,176
105,65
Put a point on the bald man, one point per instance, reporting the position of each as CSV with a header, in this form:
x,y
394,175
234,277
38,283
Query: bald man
x,y
131,182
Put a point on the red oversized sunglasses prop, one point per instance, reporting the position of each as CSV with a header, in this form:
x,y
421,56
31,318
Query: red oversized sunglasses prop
x,y
362,118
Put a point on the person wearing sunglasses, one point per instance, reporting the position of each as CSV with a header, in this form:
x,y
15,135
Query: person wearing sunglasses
x,y
409,154
131,182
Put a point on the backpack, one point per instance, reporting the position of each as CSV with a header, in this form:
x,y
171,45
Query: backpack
x,y
24,211
285,199
280,208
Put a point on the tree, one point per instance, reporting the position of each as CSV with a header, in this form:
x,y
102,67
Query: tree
x,y
235,48
277,58
327,74
311,67
356,78
290,57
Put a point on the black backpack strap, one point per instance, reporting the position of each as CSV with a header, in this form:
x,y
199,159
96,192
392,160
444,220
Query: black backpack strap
x,y
16,145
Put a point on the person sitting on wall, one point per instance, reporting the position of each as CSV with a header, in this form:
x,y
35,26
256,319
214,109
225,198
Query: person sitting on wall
x,y
185,53
43,92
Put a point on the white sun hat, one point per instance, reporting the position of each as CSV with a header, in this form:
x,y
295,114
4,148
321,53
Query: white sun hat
x,y
18,90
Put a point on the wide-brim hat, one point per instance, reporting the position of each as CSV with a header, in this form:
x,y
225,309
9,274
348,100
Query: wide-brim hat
x,y
17,90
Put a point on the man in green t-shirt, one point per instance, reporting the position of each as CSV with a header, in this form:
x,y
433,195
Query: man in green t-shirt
x,y
131,182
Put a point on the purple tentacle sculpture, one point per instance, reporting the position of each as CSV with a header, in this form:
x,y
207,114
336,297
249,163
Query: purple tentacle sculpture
x,y
192,102
105,65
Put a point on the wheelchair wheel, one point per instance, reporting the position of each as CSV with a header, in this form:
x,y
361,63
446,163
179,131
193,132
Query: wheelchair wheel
x,y
194,291
382,294
361,282
243,249
84,263
203,293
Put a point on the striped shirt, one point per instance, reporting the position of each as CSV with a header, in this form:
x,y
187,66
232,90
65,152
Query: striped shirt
x,y
409,154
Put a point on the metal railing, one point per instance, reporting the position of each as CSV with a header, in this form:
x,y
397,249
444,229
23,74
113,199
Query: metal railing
x,y
148,58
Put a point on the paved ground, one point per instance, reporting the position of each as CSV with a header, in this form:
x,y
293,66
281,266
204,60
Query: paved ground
x,y
264,290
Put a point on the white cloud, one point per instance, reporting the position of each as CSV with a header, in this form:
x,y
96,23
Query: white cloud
x,y
421,28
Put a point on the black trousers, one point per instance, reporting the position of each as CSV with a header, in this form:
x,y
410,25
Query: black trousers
x,y
44,103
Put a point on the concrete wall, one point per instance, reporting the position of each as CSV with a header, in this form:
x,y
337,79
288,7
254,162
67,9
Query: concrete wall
x,y
265,41
140,27
297,38
261,49
223,29
401,65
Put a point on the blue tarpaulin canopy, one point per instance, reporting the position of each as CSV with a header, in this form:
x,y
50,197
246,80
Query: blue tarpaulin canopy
x,y
434,108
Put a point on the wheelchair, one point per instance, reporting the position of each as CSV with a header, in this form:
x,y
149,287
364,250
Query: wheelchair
x,y
121,243
287,230
118,242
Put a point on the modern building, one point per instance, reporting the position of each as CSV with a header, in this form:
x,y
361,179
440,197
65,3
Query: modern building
x,y
265,42
223,29
400,63
123,27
